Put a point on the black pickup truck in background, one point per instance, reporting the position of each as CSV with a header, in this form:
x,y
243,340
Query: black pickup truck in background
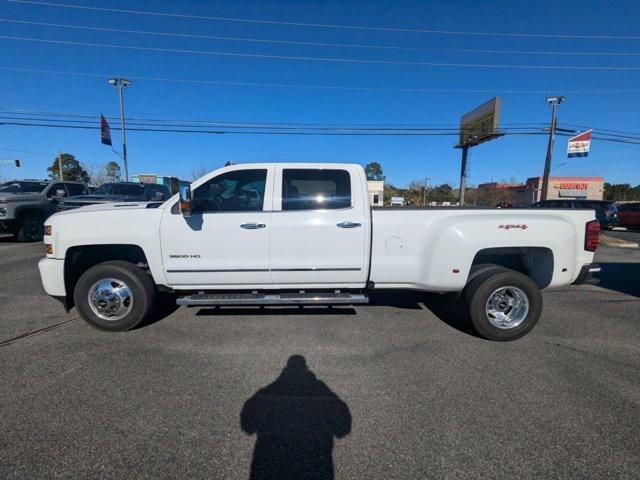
x,y
606,211
26,204
118,192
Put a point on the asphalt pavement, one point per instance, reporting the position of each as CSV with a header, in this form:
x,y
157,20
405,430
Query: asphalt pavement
x,y
391,390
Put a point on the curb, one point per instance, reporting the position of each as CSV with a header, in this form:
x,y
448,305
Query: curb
x,y
620,245
617,242
626,245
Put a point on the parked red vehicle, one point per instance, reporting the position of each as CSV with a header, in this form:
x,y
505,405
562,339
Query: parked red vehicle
x,y
629,215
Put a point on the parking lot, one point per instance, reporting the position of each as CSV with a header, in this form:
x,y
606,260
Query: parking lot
x,y
392,390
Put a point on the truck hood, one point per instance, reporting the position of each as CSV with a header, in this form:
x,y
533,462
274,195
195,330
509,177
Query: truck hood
x,y
18,197
103,198
101,207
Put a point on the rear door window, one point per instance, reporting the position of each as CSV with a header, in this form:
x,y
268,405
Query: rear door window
x,y
76,189
315,189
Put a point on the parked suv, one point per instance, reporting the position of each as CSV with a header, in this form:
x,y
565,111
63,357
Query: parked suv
x,y
26,204
629,215
606,212
119,192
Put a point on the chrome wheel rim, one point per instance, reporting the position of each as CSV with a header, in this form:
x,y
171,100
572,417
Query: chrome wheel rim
x,y
507,307
110,299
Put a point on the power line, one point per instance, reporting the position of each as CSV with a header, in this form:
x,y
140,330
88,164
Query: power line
x,y
317,44
319,87
25,151
598,137
600,129
324,59
92,119
323,25
344,132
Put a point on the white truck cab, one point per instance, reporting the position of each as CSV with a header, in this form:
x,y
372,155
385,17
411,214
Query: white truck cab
x,y
302,233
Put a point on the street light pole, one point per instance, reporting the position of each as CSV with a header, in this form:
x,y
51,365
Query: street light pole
x,y
60,165
424,191
554,102
121,84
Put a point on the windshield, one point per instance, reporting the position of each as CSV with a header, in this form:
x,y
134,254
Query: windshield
x,y
120,189
23,187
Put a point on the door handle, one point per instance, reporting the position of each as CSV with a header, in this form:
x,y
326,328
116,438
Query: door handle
x,y
252,226
349,224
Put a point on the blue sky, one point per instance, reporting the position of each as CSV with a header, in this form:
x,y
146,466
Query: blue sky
x,y
403,158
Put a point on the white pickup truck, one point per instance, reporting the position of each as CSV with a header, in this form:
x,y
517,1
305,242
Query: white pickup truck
x,y
296,234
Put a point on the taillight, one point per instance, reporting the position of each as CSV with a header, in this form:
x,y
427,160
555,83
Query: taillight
x,y
591,235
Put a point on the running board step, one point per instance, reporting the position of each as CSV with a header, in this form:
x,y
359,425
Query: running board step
x,y
205,299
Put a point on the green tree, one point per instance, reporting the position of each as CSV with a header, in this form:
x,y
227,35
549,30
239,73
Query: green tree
x,y
72,171
112,172
621,192
374,171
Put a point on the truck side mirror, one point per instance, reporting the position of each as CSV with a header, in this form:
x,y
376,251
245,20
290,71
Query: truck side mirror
x,y
185,200
59,194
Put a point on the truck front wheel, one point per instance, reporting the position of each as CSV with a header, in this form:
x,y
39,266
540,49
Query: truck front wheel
x,y
114,296
30,228
503,306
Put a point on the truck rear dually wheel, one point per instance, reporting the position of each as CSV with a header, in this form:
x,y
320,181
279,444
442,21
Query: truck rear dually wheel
x,y
459,300
114,296
503,306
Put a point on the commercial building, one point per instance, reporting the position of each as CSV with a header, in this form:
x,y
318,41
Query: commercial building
x,y
376,192
522,194
493,193
570,188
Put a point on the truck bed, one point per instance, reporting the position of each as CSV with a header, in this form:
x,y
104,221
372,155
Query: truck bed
x,y
433,248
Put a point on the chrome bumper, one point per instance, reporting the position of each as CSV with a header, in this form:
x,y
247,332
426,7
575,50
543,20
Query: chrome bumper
x,y
585,272
52,276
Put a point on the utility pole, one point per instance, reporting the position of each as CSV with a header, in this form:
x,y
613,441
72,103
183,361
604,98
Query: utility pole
x,y
424,191
60,165
463,174
121,84
554,102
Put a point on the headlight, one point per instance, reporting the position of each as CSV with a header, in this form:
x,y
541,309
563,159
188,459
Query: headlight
x,y
3,212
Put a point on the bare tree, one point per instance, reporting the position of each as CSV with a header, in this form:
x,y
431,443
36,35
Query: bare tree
x,y
97,174
201,171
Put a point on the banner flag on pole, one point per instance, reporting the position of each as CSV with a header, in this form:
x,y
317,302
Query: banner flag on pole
x,y
579,145
105,131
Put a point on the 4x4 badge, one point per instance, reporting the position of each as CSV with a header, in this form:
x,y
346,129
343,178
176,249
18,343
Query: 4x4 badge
x,y
522,226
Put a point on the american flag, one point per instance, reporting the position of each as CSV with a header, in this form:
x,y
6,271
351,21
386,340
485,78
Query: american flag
x,y
105,131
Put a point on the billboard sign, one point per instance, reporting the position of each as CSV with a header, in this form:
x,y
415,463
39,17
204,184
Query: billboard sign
x,y
480,124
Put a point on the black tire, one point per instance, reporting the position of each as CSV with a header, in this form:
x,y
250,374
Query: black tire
x,y
30,228
458,300
484,286
142,297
